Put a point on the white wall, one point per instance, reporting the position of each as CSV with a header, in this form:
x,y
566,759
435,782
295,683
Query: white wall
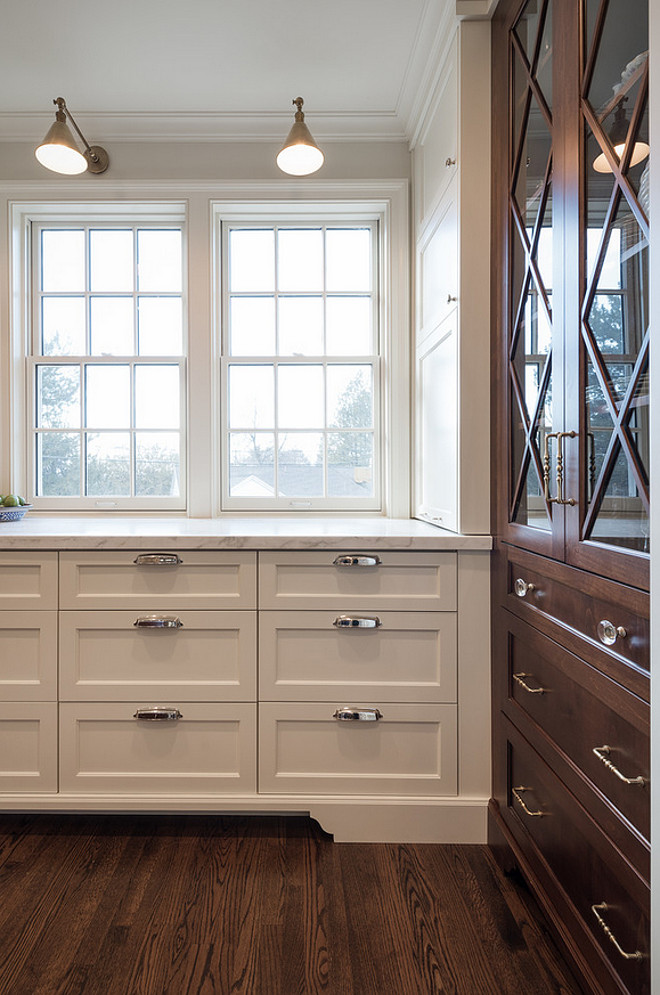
x,y
212,161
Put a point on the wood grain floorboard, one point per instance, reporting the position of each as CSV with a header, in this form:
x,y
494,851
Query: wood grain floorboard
x,y
206,905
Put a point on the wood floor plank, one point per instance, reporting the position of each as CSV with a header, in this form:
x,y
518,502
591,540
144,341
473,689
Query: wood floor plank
x,y
206,905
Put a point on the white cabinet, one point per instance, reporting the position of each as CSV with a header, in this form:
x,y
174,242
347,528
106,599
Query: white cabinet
x,y
321,681
137,747
28,672
405,750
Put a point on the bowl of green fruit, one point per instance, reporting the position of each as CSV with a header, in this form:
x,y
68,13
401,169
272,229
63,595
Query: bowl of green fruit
x,y
12,507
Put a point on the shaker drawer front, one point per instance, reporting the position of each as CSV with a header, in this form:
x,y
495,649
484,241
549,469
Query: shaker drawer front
x,y
28,656
410,750
194,749
606,620
598,881
159,580
192,655
393,656
357,580
28,581
594,721
28,746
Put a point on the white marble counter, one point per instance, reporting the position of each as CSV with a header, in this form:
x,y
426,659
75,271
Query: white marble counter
x,y
267,532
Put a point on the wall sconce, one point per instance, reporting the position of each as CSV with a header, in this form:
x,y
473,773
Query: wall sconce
x,y
618,134
59,151
300,155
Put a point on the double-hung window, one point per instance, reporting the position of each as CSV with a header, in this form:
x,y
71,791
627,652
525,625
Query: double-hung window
x,y
301,368
106,374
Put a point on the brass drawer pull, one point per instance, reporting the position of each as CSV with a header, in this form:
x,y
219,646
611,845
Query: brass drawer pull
x,y
520,679
348,714
158,622
516,794
158,714
603,752
157,560
356,560
522,588
356,622
603,907
608,632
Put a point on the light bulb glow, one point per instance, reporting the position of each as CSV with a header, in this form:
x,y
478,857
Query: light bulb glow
x,y
300,160
61,159
640,152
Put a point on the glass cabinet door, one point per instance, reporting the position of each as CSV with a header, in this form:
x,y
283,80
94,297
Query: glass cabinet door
x,y
529,304
608,526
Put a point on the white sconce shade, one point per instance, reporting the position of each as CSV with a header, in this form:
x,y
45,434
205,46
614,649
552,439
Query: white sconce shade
x,y
300,155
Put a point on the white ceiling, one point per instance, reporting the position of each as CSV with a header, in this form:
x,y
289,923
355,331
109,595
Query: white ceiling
x,y
216,69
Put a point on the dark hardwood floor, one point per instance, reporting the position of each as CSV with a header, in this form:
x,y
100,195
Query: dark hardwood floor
x,y
199,905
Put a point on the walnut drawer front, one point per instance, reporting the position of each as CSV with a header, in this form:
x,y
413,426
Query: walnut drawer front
x,y
193,655
28,746
573,606
28,581
28,656
606,892
308,748
597,724
157,580
392,656
355,580
142,748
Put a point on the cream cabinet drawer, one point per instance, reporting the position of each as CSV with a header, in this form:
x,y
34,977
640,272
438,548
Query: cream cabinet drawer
x,y
411,750
28,581
209,748
157,580
28,656
191,655
28,746
392,656
352,579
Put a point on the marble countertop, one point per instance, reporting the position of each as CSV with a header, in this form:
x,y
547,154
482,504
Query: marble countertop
x,y
265,532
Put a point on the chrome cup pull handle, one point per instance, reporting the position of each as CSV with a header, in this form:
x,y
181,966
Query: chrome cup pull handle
x,y
158,714
520,679
356,560
357,622
517,794
349,714
608,632
603,753
603,907
158,622
157,560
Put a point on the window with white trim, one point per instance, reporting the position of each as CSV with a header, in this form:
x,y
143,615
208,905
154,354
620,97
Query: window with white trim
x,y
301,371
106,370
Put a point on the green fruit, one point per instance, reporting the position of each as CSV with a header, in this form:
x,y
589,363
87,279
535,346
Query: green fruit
x,y
11,501
22,501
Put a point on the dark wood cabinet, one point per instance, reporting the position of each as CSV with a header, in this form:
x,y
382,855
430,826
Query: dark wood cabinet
x,y
571,496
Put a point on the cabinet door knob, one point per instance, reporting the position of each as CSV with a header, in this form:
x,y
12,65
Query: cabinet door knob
x,y
357,622
603,753
158,622
449,161
603,907
522,588
608,632
451,298
356,560
158,714
349,714
157,560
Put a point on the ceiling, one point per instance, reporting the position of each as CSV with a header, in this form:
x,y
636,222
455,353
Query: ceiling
x,y
217,69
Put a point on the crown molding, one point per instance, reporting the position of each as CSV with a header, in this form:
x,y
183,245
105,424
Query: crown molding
x,y
443,39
